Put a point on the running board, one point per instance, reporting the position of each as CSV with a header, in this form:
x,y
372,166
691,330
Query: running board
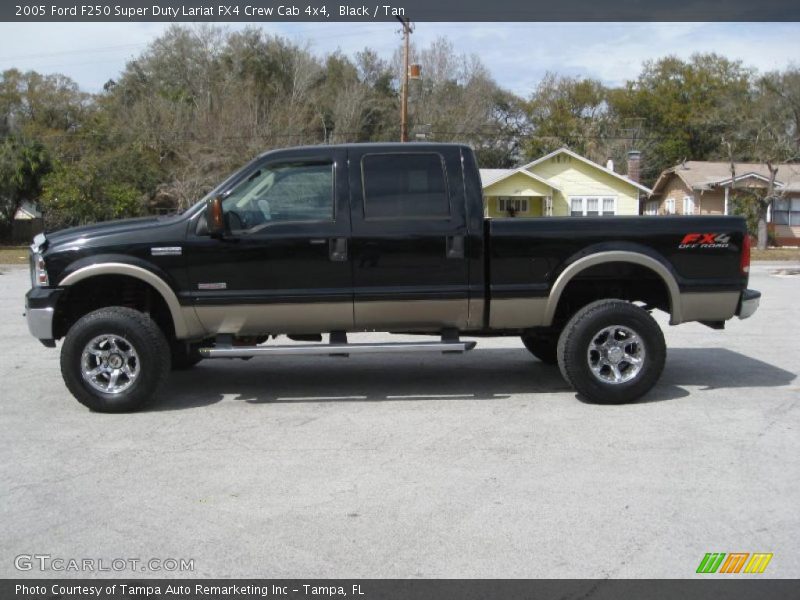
x,y
228,351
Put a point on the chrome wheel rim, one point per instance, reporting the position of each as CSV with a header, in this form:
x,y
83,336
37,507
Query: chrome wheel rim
x,y
616,354
109,364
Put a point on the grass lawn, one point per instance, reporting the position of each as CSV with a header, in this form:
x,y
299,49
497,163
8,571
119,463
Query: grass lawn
x,y
776,254
13,255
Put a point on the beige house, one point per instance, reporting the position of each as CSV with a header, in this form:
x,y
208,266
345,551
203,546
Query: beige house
x,y
562,183
704,188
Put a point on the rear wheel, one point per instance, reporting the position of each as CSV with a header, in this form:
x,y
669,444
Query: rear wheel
x,y
114,359
543,347
612,352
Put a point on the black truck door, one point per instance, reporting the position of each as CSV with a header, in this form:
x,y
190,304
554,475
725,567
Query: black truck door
x,y
283,265
408,241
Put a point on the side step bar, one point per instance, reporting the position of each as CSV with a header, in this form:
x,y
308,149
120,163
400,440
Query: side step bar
x,y
228,351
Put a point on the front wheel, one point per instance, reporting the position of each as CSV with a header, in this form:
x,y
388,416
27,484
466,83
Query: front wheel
x,y
612,352
114,359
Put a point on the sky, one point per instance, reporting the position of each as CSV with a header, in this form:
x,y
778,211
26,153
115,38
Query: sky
x,y
517,54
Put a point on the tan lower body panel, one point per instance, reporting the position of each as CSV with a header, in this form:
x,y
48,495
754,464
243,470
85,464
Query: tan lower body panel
x,y
255,319
476,307
519,313
708,306
423,315
392,315
516,313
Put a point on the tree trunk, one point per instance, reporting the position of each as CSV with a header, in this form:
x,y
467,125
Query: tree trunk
x,y
763,207
763,237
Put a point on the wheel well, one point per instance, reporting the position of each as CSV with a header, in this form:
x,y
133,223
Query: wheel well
x,y
111,290
619,279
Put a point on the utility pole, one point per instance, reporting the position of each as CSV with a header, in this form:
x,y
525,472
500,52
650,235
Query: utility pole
x,y
404,91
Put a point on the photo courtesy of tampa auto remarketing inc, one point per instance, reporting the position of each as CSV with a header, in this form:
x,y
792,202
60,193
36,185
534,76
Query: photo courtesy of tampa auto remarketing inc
x,y
405,301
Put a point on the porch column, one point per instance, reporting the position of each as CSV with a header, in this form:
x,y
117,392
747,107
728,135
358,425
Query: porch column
x,y
727,191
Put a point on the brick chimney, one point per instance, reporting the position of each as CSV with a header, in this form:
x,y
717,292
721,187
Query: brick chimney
x,y
634,165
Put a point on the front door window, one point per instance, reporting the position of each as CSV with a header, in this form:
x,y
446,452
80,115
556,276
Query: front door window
x,y
281,193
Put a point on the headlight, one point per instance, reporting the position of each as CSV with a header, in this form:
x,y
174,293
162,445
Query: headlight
x,y
38,271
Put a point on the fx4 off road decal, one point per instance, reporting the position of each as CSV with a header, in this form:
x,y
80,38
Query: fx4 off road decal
x,y
705,240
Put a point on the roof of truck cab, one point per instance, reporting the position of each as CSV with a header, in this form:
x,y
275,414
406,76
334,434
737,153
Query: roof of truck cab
x,y
373,146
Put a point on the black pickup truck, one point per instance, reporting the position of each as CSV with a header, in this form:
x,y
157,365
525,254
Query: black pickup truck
x,y
326,240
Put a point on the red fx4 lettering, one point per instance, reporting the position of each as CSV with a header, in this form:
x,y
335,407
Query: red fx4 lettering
x,y
703,239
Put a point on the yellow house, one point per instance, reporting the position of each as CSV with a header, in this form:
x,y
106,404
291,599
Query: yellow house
x,y
560,184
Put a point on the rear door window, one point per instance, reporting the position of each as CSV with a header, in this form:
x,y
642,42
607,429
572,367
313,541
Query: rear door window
x,y
405,186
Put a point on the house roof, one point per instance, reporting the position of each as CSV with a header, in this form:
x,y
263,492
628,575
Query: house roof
x,y
492,176
577,156
27,210
749,175
704,175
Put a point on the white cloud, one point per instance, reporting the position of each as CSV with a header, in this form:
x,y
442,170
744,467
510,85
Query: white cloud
x,y
517,54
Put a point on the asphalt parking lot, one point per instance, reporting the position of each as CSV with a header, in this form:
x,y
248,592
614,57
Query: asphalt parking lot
x,y
483,465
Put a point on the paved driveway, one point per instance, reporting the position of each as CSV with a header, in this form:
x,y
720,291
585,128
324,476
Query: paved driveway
x,y
483,465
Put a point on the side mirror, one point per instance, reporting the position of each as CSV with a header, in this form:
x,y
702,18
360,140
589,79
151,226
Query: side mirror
x,y
215,221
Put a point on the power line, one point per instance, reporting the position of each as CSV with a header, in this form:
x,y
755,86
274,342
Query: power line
x,y
96,50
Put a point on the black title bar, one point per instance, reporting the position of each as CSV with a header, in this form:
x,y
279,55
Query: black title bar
x,y
390,10
732,588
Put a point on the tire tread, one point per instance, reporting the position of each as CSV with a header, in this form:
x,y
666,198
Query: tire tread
x,y
155,347
571,360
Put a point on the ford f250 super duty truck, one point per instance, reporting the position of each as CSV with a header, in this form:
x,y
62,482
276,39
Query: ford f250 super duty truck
x,y
326,240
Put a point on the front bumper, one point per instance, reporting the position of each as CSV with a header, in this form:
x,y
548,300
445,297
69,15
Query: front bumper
x,y
40,308
748,303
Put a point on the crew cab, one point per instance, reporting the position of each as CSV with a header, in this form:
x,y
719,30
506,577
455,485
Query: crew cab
x,y
316,242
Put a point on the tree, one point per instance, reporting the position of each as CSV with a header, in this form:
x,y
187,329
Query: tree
x,y
456,100
383,105
568,111
23,163
99,187
687,107
342,101
768,134
784,88
36,104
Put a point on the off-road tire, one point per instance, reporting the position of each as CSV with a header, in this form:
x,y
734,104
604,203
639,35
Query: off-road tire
x,y
545,348
139,331
579,334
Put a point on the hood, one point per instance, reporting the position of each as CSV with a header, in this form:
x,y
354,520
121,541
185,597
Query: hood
x,y
97,230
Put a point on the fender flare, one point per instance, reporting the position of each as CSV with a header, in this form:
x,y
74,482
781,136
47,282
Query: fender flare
x,y
184,322
599,258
